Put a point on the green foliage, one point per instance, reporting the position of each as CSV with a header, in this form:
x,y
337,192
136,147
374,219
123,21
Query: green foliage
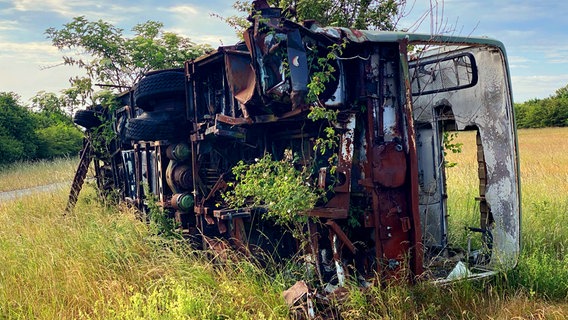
x,y
59,140
540,113
109,57
450,145
277,185
16,130
160,222
321,71
357,14
44,133
103,136
56,134
50,109
286,193
117,59
329,141
11,149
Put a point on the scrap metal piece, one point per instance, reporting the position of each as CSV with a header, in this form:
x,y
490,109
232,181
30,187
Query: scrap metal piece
x,y
299,297
295,293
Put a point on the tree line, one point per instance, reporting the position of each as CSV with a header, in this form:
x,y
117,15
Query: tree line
x,y
40,131
547,112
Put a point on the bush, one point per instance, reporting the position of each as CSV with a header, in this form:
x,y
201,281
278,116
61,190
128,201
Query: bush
x,y
540,113
16,130
10,149
58,140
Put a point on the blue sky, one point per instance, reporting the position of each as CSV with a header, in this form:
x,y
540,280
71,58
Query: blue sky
x,y
534,33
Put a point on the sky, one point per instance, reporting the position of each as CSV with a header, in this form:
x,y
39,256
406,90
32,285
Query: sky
x,y
533,32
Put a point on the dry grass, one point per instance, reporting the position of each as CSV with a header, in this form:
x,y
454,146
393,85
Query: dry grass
x,y
21,175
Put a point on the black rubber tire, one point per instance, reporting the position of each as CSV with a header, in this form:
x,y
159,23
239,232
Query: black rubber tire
x,y
158,86
148,127
87,119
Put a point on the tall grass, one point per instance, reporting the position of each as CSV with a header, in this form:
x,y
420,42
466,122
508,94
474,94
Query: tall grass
x,y
104,264
27,174
101,263
543,264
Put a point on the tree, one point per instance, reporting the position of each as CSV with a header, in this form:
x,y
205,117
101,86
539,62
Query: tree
x,y
357,14
58,140
561,93
56,134
548,112
49,109
17,135
44,131
110,58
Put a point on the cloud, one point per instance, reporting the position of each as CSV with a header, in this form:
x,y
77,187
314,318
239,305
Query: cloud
x,y
183,10
26,79
196,23
29,67
106,10
41,53
518,59
519,62
557,54
59,6
537,86
9,25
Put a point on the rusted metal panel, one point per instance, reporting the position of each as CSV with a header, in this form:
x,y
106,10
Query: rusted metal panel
x,y
389,165
240,76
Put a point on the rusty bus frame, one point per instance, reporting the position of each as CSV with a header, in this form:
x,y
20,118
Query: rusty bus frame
x,y
181,131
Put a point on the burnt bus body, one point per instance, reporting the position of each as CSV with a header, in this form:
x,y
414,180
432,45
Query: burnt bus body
x,y
182,131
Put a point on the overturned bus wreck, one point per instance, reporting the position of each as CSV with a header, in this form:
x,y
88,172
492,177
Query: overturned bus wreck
x,y
179,133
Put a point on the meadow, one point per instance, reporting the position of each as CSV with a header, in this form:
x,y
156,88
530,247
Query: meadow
x,y
103,263
28,174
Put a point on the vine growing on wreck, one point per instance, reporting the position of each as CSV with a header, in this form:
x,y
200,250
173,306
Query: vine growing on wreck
x,y
322,75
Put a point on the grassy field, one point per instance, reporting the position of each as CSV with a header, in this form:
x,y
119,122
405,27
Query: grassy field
x,y
543,266
103,263
21,175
